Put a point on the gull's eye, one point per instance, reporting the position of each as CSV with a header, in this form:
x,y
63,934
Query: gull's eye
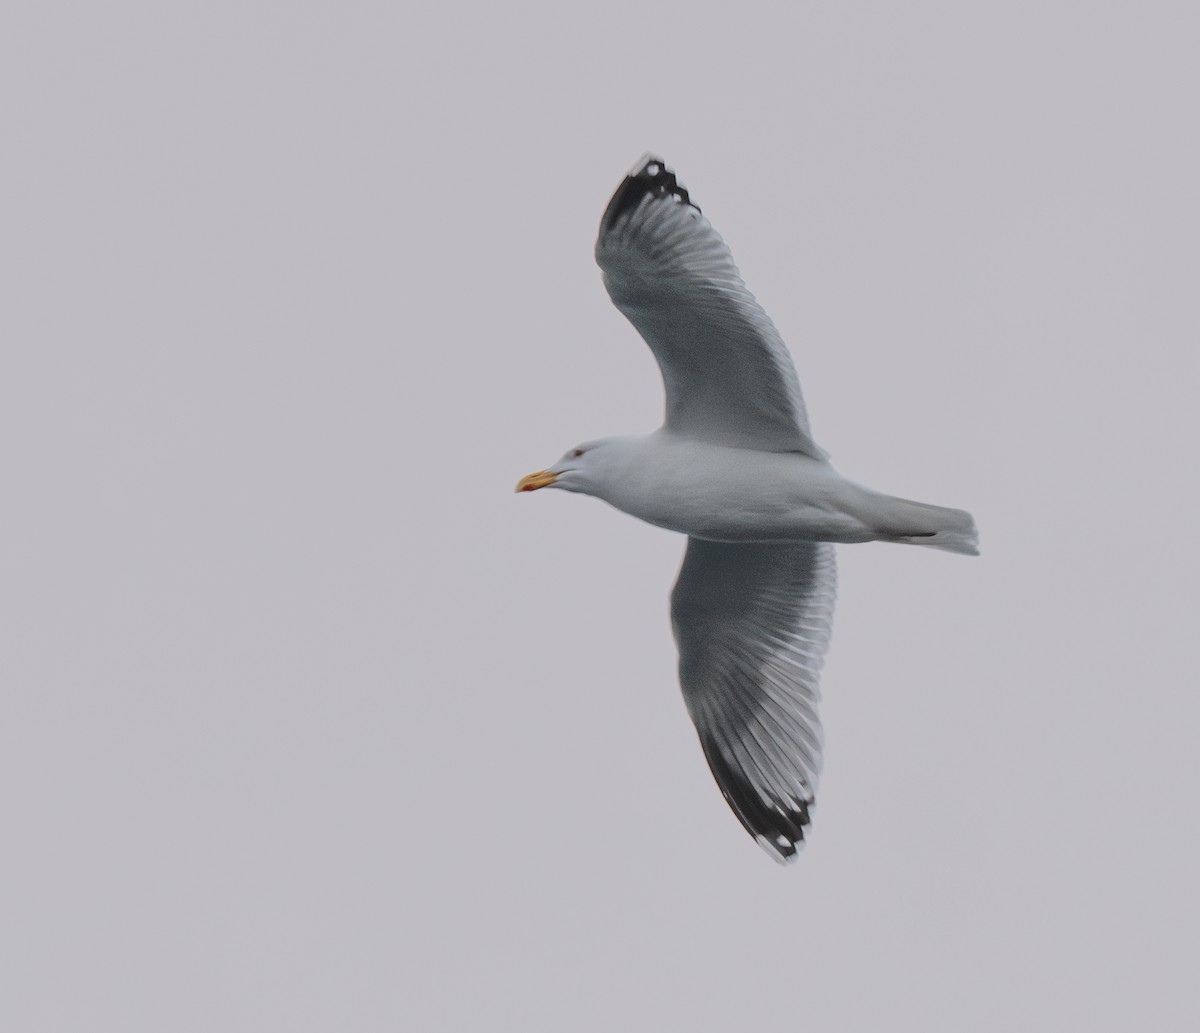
x,y
577,453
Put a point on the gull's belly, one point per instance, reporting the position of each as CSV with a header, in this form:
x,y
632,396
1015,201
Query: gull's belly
x,y
736,495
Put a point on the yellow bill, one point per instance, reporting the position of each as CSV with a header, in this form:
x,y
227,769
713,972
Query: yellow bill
x,y
533,481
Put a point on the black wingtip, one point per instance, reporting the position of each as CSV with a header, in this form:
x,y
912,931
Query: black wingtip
x,y
779,830
650,176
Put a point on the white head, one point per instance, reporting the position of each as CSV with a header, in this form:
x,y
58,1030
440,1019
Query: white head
x,y
586,468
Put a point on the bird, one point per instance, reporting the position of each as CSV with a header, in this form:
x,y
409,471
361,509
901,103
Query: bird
x,y
735,468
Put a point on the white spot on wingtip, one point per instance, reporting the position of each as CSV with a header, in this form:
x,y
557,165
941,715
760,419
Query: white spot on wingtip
x,y
777,855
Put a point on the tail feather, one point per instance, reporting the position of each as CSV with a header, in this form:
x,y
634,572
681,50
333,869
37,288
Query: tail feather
x,y
936,527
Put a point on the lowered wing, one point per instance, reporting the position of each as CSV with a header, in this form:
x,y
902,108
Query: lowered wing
x,y
752,623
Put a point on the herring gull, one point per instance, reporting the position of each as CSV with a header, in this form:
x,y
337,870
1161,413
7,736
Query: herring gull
x,y
735,468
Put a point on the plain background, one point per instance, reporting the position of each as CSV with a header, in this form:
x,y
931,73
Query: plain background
x,y
309,723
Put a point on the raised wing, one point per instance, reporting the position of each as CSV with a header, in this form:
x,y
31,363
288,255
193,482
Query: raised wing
x,y
752,623
729,378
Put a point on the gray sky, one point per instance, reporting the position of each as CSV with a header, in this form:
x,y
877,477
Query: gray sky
x,y
309,723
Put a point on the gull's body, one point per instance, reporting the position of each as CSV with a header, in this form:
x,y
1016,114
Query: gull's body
x,y
724,494
735,468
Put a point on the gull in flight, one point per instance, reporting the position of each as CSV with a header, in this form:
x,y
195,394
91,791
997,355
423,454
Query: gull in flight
x,y
735,468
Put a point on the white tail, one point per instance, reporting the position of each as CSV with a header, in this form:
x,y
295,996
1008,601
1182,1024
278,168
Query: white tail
x,y
936,527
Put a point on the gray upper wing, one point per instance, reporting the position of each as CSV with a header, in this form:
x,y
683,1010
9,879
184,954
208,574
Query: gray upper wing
x,y
752,623
728,375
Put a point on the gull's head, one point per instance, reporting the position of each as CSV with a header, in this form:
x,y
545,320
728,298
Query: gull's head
x,y
584,468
